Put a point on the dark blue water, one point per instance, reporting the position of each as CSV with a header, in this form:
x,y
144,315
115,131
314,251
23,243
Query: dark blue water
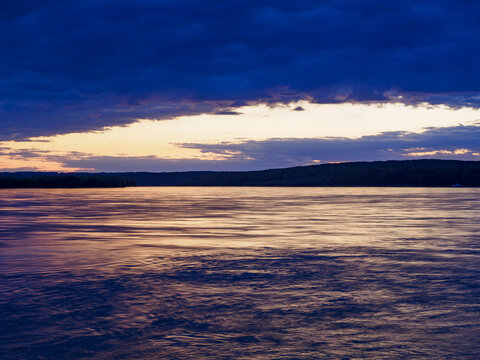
x,y
240,273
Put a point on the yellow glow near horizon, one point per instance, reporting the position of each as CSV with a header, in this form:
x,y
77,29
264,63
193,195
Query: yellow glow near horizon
x,y
8,163
259,122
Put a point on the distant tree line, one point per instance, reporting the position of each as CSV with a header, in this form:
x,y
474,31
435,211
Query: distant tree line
x,y
377,173
64,181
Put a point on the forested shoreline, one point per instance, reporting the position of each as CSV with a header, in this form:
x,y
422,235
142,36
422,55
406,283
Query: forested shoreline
x,y
60,180
377,173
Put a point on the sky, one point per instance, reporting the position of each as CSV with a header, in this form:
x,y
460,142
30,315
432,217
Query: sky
x,y
178,85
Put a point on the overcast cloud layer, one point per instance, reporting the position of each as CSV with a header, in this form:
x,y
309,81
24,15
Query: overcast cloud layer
x,y
83,64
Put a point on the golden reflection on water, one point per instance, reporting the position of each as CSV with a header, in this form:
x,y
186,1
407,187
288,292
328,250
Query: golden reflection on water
x,y
264,273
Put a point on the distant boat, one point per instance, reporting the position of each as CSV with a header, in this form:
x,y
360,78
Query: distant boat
x,y
456,185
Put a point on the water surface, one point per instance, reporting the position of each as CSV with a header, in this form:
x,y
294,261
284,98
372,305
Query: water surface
x,y
240,273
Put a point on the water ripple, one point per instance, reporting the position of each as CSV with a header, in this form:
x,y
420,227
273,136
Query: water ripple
x,y
235,273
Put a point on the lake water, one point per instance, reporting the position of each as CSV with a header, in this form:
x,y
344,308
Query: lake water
x,y
240,273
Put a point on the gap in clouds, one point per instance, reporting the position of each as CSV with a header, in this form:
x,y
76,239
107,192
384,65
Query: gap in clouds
x,y
252,137
461,142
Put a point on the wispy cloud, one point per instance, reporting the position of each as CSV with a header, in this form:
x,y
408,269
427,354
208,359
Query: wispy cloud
x,y
450,142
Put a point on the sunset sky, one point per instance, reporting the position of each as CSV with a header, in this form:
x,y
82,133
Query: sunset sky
x,y
175,85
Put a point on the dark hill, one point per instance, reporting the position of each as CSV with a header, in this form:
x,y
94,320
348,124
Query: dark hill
x,y
378,173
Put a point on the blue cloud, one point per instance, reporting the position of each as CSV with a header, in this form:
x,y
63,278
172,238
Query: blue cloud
x,y
155,164
433,143
83,64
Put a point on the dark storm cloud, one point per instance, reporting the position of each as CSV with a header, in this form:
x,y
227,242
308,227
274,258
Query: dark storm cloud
x,y
227,112
83,64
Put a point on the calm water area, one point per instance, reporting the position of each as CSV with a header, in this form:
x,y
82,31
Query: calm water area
x,y
240,273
